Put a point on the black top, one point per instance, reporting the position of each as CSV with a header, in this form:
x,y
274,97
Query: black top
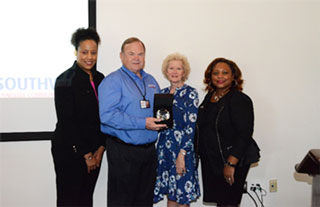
x,y
232,119
78,126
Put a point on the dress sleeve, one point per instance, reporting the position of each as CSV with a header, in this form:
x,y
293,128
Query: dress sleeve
x,y
190,118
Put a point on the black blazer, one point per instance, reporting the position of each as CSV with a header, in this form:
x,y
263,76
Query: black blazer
x,y
233,124
78,127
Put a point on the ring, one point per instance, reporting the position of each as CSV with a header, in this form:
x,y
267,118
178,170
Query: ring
x,y
229,179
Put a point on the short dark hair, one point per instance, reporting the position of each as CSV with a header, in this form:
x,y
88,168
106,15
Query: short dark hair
x,y
236,72
83,34
131,40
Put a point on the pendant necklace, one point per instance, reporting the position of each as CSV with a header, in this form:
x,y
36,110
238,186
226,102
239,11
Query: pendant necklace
x,y
216,97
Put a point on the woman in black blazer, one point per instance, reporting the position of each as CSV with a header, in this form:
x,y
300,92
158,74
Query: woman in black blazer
x,y
225,127
78,144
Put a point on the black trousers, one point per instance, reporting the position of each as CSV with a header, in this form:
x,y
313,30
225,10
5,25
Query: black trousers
x,y
215,187
75,186
132,173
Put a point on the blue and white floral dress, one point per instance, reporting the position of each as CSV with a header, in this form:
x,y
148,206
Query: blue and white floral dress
x,y
182,189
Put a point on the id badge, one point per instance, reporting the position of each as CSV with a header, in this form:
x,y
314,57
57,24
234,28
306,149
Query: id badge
x,y
144,104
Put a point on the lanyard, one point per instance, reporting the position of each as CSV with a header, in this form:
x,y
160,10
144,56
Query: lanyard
x,y
144,85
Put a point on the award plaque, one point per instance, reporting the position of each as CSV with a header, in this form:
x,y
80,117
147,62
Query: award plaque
x,y
162,108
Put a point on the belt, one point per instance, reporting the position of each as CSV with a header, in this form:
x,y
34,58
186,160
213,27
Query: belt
x,y
133,145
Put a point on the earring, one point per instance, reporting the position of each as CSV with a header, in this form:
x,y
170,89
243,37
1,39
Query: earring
x,y
75,53
235,83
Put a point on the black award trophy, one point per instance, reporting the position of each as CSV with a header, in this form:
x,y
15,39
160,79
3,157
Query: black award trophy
x,y
162,108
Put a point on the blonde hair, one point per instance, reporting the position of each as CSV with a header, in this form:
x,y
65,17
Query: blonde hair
x,y
184,61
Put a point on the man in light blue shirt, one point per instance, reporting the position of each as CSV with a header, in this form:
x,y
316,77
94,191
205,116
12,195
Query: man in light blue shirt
x,y
126,113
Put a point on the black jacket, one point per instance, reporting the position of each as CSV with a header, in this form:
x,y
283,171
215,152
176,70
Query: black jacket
x,y
232,125
78,127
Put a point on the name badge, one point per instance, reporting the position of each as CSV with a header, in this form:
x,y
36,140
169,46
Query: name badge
x,y
144,104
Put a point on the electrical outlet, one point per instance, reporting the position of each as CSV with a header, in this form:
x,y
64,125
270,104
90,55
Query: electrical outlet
x,y
253,187
256,185
273,186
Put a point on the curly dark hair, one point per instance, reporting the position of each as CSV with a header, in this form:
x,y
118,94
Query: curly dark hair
x,y
83,34
236,72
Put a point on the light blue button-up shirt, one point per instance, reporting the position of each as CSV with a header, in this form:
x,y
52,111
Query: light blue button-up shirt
x,y
120,111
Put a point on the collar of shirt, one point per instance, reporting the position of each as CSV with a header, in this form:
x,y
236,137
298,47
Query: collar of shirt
x,y
132,74
167,89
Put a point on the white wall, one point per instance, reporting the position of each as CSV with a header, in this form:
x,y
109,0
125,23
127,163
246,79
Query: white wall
x,y
275,43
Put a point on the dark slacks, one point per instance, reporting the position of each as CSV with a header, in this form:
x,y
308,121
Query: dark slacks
x,y
75,186
131,173
216,189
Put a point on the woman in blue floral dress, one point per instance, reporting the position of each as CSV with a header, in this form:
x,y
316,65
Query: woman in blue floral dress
x,y
177,176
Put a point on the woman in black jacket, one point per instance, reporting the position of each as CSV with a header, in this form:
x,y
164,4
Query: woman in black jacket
x,y
78,144
225,127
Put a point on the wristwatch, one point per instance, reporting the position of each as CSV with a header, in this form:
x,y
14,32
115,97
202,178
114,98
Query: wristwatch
x,y
230,164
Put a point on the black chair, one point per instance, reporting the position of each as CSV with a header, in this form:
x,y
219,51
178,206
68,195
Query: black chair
x,y
311,165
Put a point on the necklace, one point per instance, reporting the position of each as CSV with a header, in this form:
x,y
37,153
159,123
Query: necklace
x,y
216,97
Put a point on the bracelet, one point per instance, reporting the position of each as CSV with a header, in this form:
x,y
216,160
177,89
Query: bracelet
x,y
89,158
183,152
229,164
